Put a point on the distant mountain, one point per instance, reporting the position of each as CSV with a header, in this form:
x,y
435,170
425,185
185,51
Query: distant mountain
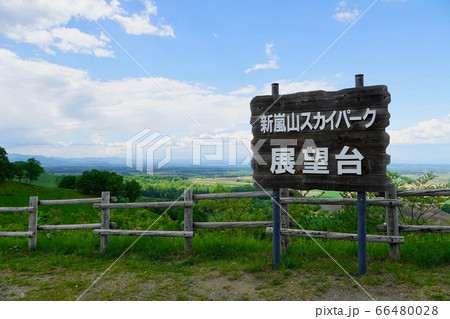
x,y
60,165
50,161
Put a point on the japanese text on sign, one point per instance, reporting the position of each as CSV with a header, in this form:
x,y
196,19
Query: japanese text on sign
x,y
296,122
316,161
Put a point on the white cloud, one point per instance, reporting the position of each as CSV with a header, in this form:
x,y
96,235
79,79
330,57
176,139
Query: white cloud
x,y
246,90
434,131
139,23
271,64
44,23
61,111
345,15
288,87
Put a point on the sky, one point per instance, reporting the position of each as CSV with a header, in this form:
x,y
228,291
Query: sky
x,y
78,78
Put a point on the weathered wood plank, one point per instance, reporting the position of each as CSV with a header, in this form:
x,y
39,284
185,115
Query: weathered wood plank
x,y
74,226
232,195
320,182
188,219
339,236
32,222
318,112
392,223
424,192
105,220
418,228
16,209
340,201
153,233
73,201
250,224
144,205
28,234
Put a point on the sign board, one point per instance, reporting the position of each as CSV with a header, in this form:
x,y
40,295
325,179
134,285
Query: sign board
x,y
322,140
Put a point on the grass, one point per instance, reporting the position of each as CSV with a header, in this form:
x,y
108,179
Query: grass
x,y
47,180
225,265
158,269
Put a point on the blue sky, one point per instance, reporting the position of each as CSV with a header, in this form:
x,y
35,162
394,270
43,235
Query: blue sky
x,y
78,78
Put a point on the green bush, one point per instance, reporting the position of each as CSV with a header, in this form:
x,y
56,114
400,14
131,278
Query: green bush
x,y
68,182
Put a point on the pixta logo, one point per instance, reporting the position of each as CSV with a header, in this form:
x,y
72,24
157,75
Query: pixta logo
x,y
141,150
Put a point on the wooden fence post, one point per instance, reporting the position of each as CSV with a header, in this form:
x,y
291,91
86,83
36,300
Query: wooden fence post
x,y
105,218
32,222
188,220
284,192
392,223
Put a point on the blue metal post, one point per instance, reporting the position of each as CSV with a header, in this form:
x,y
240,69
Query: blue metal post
x,y
276,210
362,232
361,208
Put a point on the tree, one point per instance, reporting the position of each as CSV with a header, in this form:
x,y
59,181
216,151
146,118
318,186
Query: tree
x,y
33,169
418,209
94,182
11,171
19,170
132,190
225,209
4,164
68,182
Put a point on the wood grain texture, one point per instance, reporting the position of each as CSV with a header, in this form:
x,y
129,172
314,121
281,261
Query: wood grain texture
x,y
16,209
254,224
144,205
371,142
340,201
424,192
418,228
153,233
188,220
73,201
28,234
232,195
392,223
74,226
32,222
105,220
341,236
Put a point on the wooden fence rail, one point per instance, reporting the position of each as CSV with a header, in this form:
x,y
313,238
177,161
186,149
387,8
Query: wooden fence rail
x,y
151,233
106,207
75,226
254,224
30,234
74,201
33,227
232,195
418,228
144,205
106,228
341,236
424,192
17,234
16,209
340,201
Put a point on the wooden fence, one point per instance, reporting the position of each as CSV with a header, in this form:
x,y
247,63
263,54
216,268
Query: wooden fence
x,y
106,206
33,209
106,203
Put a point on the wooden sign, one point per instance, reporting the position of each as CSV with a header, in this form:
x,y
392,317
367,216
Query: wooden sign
x,y
322,140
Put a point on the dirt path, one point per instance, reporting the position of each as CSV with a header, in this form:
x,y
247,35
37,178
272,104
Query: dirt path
x,y
216,283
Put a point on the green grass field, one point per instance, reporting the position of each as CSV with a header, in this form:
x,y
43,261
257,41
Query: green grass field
x,y
225,264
